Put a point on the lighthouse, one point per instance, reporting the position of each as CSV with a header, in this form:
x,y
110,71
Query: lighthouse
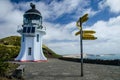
x,y
32,33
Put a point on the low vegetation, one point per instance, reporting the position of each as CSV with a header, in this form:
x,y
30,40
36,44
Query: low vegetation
x,y
49,53
12,40
94,61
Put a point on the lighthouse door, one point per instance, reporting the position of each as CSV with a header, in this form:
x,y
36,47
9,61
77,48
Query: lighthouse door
x,y
29,51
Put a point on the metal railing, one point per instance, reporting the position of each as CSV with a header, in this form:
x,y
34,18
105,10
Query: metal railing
x,y
40,28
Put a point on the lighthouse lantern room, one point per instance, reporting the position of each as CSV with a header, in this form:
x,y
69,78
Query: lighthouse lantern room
x,y
31,32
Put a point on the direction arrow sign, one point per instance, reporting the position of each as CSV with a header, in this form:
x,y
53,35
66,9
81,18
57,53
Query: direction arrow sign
x,y
89,38
77,33
84,18
87,35
86,32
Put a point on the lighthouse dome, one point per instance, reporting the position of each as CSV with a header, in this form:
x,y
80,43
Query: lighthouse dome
x,y
33,10
32,13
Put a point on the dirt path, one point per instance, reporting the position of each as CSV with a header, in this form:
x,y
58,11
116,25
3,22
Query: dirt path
x,y
56,69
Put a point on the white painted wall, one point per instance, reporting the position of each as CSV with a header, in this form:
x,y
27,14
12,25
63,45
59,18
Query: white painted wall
x,y
36,48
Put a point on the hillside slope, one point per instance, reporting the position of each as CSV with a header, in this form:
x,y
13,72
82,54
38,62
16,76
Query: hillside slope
x,y
11,46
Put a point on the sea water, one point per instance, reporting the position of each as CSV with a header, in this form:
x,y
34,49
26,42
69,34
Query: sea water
x,y
104,56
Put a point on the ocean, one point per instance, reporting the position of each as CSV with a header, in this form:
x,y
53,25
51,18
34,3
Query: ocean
x,y
104,56
96,56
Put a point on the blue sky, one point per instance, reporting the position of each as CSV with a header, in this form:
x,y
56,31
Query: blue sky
x,y
60,16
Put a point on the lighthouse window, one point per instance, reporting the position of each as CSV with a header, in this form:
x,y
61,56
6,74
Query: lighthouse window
x,y
25,21
35,21
24,29
28,29
37,37
33,29
23,38
29,51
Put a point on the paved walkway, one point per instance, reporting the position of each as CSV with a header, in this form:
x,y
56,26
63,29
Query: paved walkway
x,y
56,69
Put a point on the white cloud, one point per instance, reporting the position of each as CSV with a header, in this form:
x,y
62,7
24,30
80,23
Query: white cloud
x,y
113,5
61,38
10,18
65,47
90,12
108,37
5,7
56,8
65,6
59,32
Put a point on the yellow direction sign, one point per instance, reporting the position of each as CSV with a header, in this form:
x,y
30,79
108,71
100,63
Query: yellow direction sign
x,y
89,38
88,32
87,35
85,32
77,33
84,18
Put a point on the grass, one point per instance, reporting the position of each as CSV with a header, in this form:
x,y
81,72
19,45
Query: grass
x,y
49,53
9,72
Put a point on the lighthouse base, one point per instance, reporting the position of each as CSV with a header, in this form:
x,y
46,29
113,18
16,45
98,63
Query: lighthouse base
x,y
23,58
31,60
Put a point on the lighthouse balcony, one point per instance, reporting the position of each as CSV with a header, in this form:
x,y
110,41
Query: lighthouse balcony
x,y
19,29
27,34
30,31
41,29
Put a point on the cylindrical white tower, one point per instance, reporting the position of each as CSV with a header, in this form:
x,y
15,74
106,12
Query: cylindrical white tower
x,y
32,32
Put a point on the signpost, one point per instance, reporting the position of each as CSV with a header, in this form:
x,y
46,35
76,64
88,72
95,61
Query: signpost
x,y
85,35
81,48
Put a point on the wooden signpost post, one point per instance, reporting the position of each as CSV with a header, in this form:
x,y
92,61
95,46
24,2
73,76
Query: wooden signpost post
x,y
84,35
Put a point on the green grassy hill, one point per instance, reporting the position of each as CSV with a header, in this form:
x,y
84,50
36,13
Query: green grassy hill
x,y
10,46
12,40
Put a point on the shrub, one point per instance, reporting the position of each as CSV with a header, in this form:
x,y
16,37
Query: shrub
x,y
9,51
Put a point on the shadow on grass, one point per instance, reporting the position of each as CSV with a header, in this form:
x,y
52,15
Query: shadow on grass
x,y
93,61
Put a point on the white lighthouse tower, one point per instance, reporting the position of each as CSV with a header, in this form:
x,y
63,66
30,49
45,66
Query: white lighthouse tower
x,y
32,32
